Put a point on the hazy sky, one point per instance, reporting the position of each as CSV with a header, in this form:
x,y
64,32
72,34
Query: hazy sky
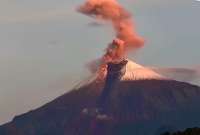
x,y
44,45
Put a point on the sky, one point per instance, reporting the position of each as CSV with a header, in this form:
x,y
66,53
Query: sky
x,y
45,45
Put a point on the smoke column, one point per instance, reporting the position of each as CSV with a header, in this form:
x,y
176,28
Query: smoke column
x,y
126,36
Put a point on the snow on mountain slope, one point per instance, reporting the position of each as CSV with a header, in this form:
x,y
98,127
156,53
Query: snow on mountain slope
x,y
135,71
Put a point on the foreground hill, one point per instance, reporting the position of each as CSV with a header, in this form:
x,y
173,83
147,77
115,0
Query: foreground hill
x,y
137,107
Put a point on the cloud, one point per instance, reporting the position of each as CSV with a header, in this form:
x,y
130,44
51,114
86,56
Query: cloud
x,y
180,74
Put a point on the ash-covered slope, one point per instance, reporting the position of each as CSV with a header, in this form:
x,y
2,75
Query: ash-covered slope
x,y
141,107
137,107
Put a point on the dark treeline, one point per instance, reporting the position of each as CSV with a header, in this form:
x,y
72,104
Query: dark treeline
x,y
189,131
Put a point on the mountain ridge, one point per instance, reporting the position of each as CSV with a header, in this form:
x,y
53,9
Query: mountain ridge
x,y
151,102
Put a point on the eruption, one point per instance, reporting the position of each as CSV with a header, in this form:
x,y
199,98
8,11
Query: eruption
x,y
128,99
126,40
121,20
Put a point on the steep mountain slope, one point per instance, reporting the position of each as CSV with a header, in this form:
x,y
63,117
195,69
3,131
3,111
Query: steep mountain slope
x,y
140,107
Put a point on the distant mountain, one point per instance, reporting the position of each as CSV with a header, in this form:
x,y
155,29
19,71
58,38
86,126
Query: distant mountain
x,y
147,106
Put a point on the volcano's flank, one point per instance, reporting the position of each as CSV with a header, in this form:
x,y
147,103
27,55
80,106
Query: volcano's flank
x,y
139,107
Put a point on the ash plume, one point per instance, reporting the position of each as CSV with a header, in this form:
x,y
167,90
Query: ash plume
x,y
126,39
121,20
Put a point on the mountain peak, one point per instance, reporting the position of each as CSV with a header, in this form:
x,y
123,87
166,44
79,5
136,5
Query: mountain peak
x,y
135,71
139,101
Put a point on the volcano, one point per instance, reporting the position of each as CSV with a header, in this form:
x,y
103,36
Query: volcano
x,y
137,100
